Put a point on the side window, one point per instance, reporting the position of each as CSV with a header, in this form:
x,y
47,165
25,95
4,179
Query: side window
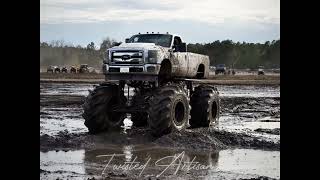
x,y
176,42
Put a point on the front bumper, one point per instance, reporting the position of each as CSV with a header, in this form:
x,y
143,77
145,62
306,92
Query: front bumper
x,y
146,72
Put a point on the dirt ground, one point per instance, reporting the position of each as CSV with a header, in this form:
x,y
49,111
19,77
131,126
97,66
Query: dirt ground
x,y
243,79
245,145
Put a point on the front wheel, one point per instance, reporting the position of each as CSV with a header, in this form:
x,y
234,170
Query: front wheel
x,y
169,110
98,108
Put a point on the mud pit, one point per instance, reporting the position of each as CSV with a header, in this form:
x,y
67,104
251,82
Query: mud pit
x,y
246,145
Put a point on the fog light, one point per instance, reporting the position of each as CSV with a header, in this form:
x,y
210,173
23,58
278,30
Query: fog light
x,y
151,69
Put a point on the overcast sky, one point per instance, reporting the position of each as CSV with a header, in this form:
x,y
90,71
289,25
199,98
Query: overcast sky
x,y
202,21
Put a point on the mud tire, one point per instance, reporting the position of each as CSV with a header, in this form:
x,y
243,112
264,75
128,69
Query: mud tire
x,y
205,105
169,110
97,106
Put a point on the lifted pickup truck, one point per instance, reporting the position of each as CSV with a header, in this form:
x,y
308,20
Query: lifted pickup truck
x,y
147,57
221,68
162,72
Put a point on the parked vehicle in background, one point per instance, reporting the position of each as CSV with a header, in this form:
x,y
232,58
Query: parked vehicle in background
x,y
73,69
221,69
57,69
50,69
84,68
231,72
64,70
261,70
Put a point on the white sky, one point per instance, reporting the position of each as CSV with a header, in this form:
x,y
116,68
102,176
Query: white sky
x,y
259,15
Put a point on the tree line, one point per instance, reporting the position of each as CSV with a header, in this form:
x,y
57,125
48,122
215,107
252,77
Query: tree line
x,y
62,53
232,54
240,55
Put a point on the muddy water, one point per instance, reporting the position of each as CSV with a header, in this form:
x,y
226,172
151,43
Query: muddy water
x,y
249,91
225,91
205,164
253,111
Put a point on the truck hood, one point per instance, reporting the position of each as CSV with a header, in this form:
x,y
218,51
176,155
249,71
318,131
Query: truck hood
x,y
145,46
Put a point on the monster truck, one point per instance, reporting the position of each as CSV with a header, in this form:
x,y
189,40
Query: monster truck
x,y
165,78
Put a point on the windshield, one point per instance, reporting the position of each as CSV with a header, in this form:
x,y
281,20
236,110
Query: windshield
x,y
159,39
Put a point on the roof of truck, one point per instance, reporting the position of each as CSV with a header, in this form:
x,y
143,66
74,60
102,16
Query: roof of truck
x,y
173,34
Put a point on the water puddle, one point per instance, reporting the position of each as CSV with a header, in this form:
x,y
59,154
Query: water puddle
x,y
249,91
157,159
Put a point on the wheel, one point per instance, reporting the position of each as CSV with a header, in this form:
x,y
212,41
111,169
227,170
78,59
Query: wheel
x,y
169,110
139,119
97,108
205,106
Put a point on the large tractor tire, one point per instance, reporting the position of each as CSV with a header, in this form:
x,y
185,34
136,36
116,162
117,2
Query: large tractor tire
x,y
139,119
98,107
205,107
169,110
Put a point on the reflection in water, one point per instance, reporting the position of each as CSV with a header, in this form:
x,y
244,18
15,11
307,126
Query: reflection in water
x,y
156,160
242,161
127,151
71,161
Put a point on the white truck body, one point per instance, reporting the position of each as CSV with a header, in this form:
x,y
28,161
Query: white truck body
x,y
143,59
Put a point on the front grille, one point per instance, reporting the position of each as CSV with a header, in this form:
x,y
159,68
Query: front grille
x,y
124,62
127,57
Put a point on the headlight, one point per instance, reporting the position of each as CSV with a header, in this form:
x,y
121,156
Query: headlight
x,y
152,56
106,57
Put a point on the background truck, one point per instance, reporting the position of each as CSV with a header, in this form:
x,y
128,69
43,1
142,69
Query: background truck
x,y
260,70
163,75
221,69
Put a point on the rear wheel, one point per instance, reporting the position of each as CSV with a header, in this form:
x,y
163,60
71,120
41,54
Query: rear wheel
x,y
98,107
169,110
205,105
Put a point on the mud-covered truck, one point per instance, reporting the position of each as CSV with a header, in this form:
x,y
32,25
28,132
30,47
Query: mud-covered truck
x,y
165,80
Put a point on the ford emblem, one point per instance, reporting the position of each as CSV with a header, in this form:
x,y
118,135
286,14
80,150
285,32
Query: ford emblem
x,y
125,57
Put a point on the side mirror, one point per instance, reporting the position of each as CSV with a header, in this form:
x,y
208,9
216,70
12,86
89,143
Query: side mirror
x,y
127,40
117,44
182,47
